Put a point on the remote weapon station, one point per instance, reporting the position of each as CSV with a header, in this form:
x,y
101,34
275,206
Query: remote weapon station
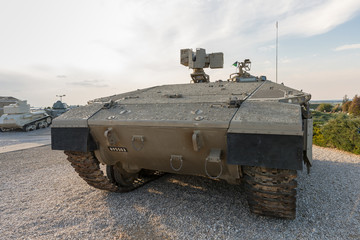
x,y
244,130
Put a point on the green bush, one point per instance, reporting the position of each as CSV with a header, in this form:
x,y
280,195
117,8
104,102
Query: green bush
x,y
321,117
324,107
355,106
346,106
336,108
314,105
341,132
318,137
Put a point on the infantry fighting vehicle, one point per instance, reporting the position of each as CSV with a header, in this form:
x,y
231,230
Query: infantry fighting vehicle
x,y
19,116
246,129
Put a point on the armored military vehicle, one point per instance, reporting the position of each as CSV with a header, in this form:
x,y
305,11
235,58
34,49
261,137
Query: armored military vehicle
x,y
244,129
6,101
19,116
58,108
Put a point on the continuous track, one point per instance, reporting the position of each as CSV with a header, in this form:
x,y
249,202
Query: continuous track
x,y
271,192
87,166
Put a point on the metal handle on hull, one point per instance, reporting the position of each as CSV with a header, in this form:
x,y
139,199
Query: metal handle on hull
x,y
176,157
214,157
196,140
137,138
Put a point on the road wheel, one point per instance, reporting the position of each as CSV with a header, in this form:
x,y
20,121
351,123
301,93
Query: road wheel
x,y
120,177
271,192
43,124
27,128
48,121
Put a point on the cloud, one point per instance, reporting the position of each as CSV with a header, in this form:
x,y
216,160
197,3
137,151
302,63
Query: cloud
x,y
122,33
347,47
313,18
135,44
15,81
89,83
286,60
266,48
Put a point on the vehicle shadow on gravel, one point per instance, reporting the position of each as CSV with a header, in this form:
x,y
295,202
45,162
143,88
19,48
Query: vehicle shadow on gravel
x,y
329,199
178,206
42,197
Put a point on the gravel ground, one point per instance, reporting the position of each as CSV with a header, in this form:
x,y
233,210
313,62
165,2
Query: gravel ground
x,y
41,197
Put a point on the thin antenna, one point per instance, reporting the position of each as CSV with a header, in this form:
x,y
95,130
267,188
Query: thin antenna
x,y
61,96
277,36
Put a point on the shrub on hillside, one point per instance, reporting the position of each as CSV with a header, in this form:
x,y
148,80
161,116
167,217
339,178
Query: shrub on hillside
x,y
354,108
336,108
318,137
345,106
342,133
324,107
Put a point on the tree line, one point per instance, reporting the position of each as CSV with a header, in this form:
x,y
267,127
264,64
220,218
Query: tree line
x,y
347,106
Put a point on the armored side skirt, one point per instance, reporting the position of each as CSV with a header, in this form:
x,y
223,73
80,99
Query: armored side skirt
x,y
265,150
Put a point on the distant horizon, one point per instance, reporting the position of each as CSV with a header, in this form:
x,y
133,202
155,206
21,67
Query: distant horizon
x,y
331,100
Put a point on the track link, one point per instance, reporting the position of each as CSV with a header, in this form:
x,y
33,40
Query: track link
x,y
271,192
88,168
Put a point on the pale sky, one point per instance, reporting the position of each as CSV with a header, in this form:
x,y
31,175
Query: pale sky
x,y
87,49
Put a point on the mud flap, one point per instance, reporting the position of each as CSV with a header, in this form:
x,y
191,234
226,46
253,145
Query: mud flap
x,y
72,139
308,136
265,150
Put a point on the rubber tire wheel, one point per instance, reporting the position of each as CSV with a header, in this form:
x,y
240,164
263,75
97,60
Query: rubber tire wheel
x,y
119,176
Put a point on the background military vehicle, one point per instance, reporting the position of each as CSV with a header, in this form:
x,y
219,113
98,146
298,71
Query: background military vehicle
x,y
58,108
246,129
6,101
19,116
